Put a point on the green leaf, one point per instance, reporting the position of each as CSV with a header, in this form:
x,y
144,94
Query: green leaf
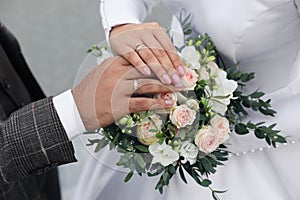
x,y
181,173
142,148
140,160
187,32
205,183
101,144
257,95
166,178
128,177
241,129
92,142
172,169
207,166
259,133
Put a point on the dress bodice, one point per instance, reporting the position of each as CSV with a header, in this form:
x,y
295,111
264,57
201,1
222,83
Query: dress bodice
x,y
263,35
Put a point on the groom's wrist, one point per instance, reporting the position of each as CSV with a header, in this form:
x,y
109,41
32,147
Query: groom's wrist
x,y
68,113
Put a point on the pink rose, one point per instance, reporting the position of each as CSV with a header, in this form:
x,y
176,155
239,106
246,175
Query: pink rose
x,y
146,136
182,116
221,126
207,139
190,78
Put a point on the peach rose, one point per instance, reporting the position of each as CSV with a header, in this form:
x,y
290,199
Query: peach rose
x,y
189,79
207,139
182,116
221,126
146,136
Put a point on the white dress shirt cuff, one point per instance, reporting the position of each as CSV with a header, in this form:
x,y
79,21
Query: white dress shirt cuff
x,y
68,114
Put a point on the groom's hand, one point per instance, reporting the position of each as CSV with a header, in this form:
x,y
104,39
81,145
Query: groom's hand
x,y
105,94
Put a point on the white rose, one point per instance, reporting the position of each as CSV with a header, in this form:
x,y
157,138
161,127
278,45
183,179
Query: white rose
x,y
163,154
146,136
193,104
221,126
189,152
191,56
207,139
182,116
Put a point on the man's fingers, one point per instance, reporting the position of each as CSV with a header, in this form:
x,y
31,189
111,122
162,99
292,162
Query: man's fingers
x,y
152,86
138,104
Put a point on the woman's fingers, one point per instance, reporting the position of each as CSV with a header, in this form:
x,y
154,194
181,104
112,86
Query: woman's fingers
x,y
147,47
165,42
166,65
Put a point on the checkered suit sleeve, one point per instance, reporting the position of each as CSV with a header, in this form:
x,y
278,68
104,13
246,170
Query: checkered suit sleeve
x,y
33,141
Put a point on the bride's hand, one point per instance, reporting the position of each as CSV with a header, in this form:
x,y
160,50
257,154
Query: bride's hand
x,y
148,47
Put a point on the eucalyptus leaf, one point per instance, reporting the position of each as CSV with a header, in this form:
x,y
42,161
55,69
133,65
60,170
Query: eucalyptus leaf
x,y
128,177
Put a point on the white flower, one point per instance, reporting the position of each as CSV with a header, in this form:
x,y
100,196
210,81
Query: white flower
x,y
193,104
146,136
191,56
182,116
219,89
189,152
209,71
224,89
163,154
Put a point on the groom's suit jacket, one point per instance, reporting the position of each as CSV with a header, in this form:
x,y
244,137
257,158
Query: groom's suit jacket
x,y
32,139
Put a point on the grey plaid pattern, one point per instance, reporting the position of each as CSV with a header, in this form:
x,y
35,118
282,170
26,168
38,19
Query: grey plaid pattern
x,y
32,142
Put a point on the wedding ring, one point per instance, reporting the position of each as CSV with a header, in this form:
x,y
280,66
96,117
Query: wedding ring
x,y
135,85
139,46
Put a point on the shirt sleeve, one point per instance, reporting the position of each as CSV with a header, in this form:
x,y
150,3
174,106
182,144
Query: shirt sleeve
x,y
116,12
68,114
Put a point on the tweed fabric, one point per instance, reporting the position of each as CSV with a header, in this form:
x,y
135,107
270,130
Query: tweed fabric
x,y
33,141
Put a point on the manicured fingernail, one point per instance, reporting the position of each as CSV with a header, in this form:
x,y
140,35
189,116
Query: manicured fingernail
x,y
146,71
176,80
166,79
181,70
169,102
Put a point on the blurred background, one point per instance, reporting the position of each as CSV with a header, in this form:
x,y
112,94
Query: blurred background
x,y
54,37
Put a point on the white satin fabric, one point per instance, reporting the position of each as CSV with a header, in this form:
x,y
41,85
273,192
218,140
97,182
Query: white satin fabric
x,y
264,36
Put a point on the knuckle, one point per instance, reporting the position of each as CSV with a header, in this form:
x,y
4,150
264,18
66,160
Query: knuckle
x,y
147,55
133,59
160,53
176,60
141,104
154,24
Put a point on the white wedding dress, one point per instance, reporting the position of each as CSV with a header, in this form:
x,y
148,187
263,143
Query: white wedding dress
x,y
264,36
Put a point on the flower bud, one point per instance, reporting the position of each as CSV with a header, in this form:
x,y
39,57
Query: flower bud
x,y
123,120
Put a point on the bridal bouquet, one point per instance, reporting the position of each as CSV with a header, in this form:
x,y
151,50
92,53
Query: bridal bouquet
x,y
190,138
